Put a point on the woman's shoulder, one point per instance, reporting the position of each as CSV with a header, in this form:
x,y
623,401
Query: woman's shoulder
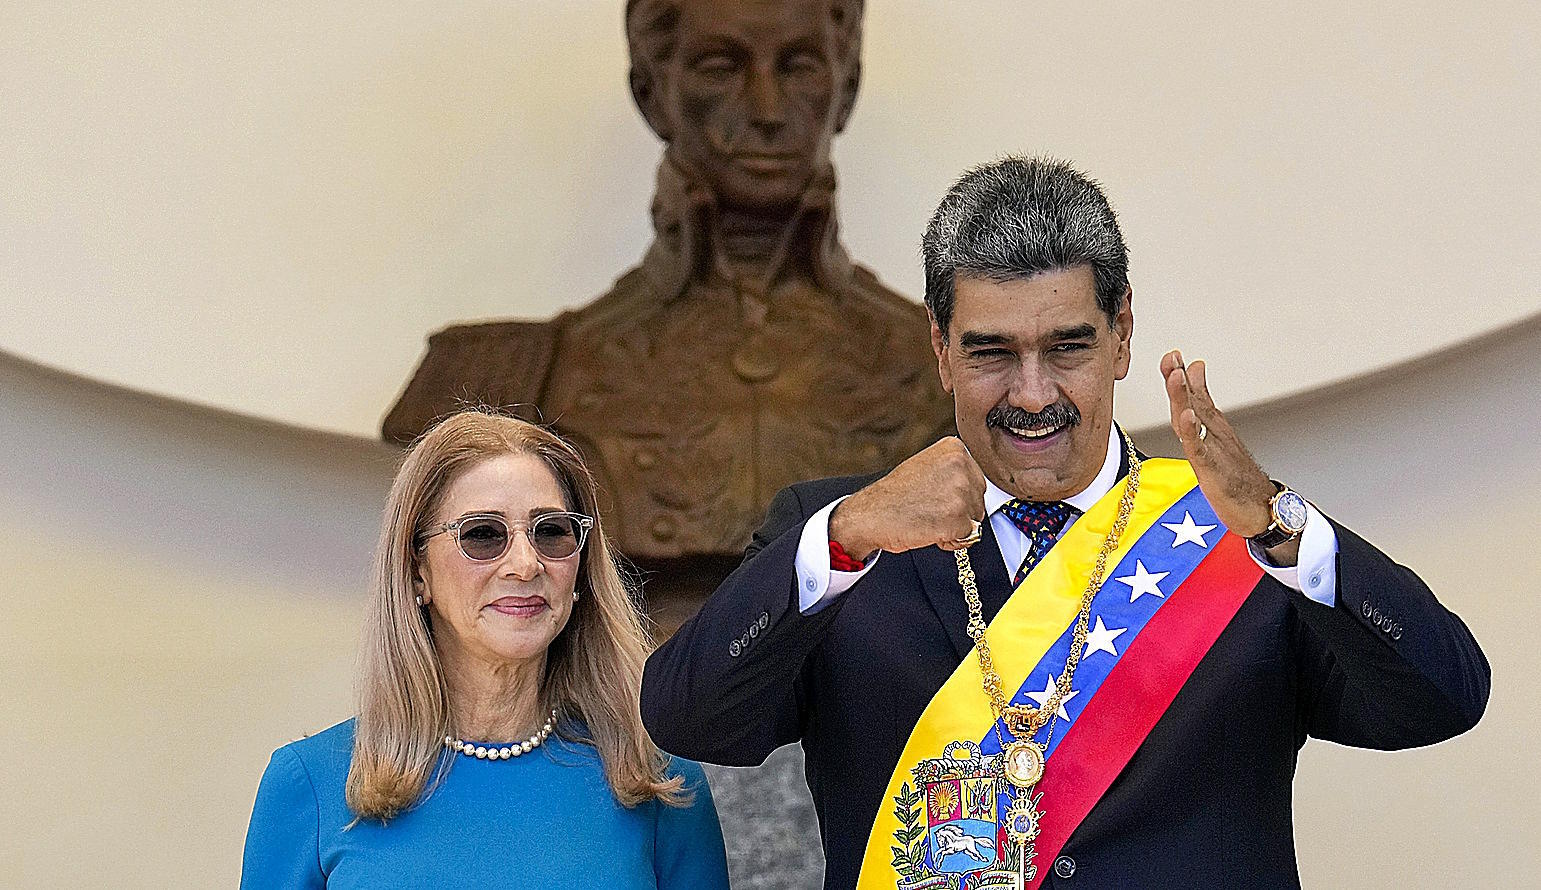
x,y
690,849
575,748
578,743
697,792
322,758
689,770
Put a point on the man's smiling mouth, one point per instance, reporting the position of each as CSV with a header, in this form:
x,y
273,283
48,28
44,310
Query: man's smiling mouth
x,y
1034,428
1042,432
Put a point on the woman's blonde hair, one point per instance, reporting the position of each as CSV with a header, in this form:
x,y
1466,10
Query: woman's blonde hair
x,y
593,668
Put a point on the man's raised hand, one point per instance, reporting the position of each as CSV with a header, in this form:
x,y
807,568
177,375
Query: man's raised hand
x,y
934,497
1230,478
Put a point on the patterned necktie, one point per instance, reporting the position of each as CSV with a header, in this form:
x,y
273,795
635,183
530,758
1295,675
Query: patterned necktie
x,y
1042,523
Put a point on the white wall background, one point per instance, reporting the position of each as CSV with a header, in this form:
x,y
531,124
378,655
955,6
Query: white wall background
x,y
305,190
181,594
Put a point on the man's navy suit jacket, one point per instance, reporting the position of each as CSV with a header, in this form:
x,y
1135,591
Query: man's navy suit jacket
x,y
1206,799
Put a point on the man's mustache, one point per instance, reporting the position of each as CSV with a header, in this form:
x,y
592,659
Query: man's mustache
x,y
1052,416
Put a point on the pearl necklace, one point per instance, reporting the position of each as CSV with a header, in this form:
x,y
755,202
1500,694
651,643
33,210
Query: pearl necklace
x,y
482,752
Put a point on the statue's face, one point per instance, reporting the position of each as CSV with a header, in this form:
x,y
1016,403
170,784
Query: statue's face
x,y
752,101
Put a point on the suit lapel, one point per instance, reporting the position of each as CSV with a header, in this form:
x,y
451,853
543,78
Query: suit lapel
x,y
989,574
938,570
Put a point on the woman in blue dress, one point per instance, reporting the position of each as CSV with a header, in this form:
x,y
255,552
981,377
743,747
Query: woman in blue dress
x,y
498,741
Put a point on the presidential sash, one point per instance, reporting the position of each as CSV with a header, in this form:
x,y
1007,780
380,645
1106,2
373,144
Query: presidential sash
x,y
949,818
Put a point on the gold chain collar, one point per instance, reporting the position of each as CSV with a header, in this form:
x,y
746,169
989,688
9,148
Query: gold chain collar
x,y
1023,721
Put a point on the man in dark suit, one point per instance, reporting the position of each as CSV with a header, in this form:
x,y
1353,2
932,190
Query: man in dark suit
x,y
846,615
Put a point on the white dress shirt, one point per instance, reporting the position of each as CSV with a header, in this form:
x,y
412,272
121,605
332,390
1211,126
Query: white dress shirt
x,y
818,585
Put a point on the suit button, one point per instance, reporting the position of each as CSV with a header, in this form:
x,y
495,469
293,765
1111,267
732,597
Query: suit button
x,y
764,620
1064,866
1366,609
754,630
734,649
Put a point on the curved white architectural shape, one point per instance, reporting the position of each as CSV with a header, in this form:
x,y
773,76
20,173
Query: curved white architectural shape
x,y
305,190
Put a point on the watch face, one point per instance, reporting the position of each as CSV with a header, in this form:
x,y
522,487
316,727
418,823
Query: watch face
x,y
1290,510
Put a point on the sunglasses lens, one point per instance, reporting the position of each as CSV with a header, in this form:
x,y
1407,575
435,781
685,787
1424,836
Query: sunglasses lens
x,y
484,539
556,537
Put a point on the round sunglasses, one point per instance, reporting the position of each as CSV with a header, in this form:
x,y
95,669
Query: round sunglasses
x,y
484,537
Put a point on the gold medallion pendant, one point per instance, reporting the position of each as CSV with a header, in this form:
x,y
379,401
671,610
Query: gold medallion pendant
x,y
1023,763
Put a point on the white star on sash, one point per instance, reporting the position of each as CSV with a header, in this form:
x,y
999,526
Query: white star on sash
x,y
1188,532
1101,639
1042,698
1143,581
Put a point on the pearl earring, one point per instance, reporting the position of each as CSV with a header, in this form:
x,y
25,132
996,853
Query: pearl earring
x,y
420,599
575,596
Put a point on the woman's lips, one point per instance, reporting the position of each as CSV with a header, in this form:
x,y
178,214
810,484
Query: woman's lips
x,y
518,606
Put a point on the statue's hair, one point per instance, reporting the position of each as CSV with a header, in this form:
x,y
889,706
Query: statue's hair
x,y
593,672
1019,217
652,32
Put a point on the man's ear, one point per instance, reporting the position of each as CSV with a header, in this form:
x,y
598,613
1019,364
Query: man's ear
x,y
1123,327
939,346
644,92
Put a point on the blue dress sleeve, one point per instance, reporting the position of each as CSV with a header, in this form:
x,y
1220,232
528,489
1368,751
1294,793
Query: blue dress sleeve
x,y
689,854
283,840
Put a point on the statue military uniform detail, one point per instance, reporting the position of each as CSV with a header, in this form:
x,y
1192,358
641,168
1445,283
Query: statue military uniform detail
x,y
696,391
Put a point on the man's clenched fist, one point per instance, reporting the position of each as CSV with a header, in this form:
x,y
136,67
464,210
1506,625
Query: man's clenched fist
x,y
934,497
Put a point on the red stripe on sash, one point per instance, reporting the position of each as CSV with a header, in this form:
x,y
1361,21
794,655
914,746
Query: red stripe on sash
x,y
1138,691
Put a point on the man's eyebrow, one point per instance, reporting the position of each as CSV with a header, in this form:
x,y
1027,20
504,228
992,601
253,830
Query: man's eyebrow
x,y
972,339
976,339
1074,332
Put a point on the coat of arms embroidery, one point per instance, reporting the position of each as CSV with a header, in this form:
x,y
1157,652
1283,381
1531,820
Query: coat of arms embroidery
x,y
962,826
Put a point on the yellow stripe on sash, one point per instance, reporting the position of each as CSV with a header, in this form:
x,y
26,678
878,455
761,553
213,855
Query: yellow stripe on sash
x,y
1033,618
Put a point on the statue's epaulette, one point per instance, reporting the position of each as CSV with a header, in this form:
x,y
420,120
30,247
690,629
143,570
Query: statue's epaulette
x,y
497,364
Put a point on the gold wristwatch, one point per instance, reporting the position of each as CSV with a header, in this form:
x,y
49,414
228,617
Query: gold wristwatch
x,y
1289,517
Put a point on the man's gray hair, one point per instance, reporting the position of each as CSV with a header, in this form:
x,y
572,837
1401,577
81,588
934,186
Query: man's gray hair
x,y
1019,217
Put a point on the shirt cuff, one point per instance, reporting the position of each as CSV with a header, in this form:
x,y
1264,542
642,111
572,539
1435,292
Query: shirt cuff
x,y
1315,572
817,583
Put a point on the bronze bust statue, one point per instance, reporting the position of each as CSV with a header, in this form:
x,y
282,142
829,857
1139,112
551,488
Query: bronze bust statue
x,y
747,351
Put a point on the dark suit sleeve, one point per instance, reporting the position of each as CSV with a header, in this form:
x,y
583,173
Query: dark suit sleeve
x,y
725,688
1388,667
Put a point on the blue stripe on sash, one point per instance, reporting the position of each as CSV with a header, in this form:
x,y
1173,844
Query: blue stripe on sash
x,y
1153,554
